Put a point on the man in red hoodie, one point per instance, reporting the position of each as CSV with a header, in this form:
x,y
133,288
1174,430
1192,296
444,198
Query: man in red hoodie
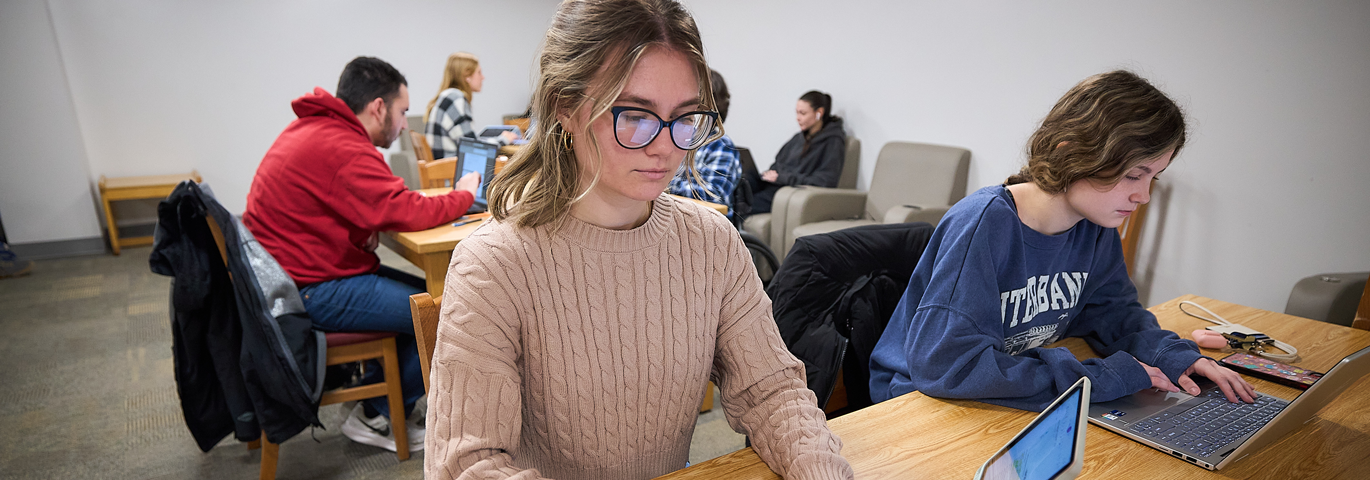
x,y
321,196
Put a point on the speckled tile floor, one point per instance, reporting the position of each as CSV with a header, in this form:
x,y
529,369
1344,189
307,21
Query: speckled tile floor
x,y
86,388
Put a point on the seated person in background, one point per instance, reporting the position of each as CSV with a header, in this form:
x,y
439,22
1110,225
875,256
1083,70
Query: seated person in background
x,y
813,157
716,164
321,194
1014,267
448,116
580,327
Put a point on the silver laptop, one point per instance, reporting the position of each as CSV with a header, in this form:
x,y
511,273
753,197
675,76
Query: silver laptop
x,y
1211,432
1051,447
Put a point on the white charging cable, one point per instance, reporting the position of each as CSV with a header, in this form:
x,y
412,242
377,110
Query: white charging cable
x,y
1224,326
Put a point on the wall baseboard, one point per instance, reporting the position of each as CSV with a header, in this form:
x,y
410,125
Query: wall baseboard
x,y
61,248
77,246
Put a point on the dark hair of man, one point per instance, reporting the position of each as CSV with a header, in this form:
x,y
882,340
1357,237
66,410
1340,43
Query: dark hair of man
x,y
367,78
721,97
817,100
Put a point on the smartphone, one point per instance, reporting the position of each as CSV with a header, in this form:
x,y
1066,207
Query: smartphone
x,y
1267,369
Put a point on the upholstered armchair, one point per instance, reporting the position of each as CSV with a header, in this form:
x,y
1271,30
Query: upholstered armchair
x,y
770,227
912,182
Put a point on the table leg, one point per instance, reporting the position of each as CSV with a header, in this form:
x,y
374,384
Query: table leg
x,y
435,271
113,226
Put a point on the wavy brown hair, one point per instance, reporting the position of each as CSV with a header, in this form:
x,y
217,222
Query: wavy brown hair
x,y
586,58
1101,129
460,66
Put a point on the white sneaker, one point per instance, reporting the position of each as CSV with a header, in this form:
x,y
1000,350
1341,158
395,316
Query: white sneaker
x,y
376,432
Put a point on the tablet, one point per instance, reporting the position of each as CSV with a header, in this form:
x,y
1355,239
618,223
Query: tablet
x,y
478,157
1051,447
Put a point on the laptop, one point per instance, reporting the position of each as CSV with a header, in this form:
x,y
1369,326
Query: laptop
x,y
491,133
476,156
1051,447
1207,430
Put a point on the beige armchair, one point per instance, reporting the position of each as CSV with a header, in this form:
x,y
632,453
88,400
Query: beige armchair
x,y
912,182
770,228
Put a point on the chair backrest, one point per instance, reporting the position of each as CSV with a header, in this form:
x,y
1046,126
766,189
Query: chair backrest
x,y
851,163
422,152
1362,320
522,122
908,173
437,173
218,239
1131,232
424,308
743,195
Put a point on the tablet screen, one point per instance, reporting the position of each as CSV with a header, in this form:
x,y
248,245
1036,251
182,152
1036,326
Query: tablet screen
x,y
477,157
1045,449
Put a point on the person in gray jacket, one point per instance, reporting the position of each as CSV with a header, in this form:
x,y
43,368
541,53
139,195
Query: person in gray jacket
x,y
813,157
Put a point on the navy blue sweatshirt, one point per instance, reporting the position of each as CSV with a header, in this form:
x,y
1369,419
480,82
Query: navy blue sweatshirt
x,y
990,292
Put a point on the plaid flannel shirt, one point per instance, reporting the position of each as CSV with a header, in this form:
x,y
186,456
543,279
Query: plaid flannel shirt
x,y
720,166
449,120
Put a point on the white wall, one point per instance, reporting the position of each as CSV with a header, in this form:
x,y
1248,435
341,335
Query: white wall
x,y
1272,186
45,190
1270,189
164,86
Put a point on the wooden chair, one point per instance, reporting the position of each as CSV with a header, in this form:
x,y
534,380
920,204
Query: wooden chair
x,y
422,152
437,173
1131,232
1362,320
425,308
522,122
432,173
344,347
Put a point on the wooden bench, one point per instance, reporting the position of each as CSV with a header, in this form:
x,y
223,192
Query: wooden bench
x,y
136,188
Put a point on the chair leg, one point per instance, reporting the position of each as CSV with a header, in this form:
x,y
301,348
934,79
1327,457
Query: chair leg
x,y
396,396
708,403
270,452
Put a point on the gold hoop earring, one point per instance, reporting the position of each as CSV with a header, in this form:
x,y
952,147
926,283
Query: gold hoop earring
x,y
567,142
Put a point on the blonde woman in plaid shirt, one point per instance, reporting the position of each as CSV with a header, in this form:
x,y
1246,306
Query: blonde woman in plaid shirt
x,y
448,116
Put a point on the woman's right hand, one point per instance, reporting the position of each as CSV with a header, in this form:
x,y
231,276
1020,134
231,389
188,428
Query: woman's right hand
x,y
770,176
1158,378
468,182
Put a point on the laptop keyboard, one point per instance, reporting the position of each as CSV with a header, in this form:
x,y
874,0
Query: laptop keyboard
x,y
1210,423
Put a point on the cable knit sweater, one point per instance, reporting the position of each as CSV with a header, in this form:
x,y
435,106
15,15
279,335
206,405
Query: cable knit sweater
x,y
583,353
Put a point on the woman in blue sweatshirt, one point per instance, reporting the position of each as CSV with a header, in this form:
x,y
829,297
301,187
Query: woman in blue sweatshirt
x,y
1015,267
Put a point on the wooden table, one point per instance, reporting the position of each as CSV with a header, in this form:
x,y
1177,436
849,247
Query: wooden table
x,y
136,188
431,250
916,436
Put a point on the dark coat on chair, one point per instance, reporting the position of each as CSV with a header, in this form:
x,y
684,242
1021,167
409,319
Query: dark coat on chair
x,y
834,294
246,360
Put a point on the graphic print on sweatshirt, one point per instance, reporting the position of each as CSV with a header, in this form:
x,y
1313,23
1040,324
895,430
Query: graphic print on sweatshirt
x,y
1044,298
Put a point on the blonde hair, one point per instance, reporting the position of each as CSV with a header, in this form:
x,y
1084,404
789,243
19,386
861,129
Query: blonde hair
x,y
460,66
586,59
1101,129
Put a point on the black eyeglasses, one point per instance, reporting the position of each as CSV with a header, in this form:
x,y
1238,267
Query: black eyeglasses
x,y
635,128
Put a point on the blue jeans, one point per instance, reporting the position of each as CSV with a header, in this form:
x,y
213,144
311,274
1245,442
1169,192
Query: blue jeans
x,y
376,302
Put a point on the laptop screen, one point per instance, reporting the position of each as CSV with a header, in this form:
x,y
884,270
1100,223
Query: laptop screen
x,y
477,157
1050,446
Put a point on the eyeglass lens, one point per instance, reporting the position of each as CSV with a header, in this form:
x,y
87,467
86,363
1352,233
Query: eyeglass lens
x,y
635,128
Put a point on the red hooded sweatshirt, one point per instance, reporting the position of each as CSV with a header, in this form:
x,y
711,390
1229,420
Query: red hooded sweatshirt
x,y
323,189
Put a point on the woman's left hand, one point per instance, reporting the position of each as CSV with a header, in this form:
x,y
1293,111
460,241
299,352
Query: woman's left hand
x,y
1231,383
770,176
